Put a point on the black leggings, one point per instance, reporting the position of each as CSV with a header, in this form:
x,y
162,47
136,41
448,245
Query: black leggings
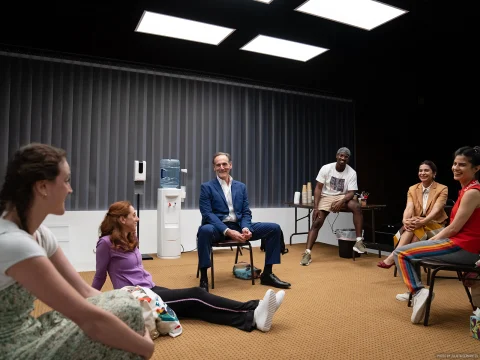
x,y
196,303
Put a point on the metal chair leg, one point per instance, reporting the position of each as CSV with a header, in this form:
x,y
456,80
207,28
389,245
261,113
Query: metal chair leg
x,y
430,296
251,262
461,277
231,248
236,254
198,265
211,268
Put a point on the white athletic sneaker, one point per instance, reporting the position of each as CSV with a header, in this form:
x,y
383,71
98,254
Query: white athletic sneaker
x,y
263,314
403,297
279,298
419,303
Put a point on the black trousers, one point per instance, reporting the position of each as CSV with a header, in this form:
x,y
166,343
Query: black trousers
x,y
196,303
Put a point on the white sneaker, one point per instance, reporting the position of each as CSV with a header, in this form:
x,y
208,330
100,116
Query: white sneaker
x,y
263,314
419,303
279,298
403,297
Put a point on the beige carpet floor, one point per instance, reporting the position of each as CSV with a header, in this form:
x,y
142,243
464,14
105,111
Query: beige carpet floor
x,y
336,309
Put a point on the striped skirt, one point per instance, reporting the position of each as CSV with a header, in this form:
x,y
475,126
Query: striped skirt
x,y
423,233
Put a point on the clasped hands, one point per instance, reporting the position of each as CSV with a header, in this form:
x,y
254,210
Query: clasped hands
x,y
243,236
414,223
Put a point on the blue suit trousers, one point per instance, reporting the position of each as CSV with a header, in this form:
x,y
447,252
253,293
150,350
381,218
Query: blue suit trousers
x,y
208,235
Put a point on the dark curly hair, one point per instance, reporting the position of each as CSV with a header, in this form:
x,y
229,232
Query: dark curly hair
x,y
29,164
473,155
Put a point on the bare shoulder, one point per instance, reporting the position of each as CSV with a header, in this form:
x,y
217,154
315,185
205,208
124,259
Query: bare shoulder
x,y
472,195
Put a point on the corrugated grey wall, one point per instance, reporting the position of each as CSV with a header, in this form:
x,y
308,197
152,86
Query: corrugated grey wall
x,y
106,117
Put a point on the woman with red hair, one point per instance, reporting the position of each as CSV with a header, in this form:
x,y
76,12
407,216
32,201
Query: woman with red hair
x,y
118,255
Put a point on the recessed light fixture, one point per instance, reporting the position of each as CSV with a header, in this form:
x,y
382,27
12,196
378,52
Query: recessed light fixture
x,y
365,14
283,48
265,1
175,27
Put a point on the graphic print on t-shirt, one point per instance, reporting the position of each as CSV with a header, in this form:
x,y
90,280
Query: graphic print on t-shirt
x,y
337,184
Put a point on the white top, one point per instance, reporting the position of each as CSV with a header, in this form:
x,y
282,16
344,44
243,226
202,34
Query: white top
x,y
227,191
17,245
337,183
426,191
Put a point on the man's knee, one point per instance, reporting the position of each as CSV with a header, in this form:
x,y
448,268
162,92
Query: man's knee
x,y
276,229
206,231
317,224
354,206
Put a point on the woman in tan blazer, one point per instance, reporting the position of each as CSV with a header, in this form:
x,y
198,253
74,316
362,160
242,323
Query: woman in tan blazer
x,y
424,216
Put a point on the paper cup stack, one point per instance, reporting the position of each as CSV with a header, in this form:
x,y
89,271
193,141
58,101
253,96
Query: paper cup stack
x,y
309,193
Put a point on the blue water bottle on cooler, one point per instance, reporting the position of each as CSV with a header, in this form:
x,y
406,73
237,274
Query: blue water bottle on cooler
x,y
170,173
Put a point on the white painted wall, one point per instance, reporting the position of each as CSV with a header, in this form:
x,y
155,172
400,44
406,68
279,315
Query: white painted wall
x,y
77,231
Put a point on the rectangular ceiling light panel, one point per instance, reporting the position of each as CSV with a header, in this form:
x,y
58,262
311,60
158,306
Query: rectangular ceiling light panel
x,y
265,1
283,48
174,27
365,14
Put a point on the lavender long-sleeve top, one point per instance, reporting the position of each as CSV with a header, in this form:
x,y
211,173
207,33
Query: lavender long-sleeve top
x,y
124,267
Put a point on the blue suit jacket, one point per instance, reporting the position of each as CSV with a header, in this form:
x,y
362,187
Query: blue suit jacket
x,y
214,207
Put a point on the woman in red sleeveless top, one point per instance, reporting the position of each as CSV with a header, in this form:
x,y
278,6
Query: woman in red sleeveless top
x,y
459,242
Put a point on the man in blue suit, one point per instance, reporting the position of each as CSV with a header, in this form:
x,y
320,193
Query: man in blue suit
x,y
225,213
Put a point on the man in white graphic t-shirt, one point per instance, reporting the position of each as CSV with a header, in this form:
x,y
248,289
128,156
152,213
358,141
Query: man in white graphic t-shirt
x,y
336,186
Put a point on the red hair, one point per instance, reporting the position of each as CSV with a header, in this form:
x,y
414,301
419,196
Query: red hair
x,y
112,226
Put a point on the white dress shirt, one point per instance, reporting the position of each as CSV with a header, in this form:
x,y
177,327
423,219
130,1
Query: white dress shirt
x,y
227,191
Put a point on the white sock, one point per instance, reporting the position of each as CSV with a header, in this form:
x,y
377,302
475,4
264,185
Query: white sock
x,y
263,314
359,238
308,251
